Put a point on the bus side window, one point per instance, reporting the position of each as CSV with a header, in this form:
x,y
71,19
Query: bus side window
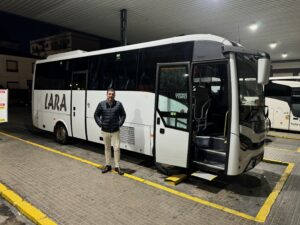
x,y
144,83
128,70
79,72
118,71
275,89
95,64
107,72
53,76
147,68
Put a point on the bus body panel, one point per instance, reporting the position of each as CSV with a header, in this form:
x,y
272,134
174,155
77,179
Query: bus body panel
x,y
136,132
283,100
247,156
294,122
172,112
50,107
234,147
170,149
279,113
78,114
35,102
247,132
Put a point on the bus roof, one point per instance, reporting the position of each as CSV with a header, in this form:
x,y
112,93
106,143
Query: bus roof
x,y
185,38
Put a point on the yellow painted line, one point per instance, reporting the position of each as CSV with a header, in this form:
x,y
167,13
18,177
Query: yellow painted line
x,y
283,136
189,197
2,188
265,209
29,211
282,149
274,161
298,150
54,151
11,197
261,216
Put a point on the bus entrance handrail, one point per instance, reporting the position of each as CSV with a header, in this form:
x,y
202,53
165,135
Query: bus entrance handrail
x,y
225,126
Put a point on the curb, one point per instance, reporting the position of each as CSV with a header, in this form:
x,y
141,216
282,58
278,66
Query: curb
x,y
25,208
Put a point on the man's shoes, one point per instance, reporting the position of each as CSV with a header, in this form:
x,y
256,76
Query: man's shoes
x,y
106,169
119,171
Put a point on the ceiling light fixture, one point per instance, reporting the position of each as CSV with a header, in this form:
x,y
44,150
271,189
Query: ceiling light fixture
x,y
284,55
253,27
273,45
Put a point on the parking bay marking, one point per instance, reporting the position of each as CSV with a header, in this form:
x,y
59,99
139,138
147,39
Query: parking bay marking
x,y
260,217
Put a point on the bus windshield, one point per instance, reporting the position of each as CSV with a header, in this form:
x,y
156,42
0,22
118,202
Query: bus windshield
x,y
251,93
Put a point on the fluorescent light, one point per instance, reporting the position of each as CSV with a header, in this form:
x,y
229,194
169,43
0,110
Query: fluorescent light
x,y
284,55
273,45
253,27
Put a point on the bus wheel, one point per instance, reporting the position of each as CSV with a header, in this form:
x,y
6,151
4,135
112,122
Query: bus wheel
x,y
61,134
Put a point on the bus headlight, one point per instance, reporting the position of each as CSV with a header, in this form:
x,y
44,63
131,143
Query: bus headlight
x,y
254,161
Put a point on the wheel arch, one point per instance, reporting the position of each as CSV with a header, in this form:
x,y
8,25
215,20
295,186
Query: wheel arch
x,y
65,125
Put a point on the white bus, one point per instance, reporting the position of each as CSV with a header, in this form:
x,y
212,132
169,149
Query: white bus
x,y
283,100
192,101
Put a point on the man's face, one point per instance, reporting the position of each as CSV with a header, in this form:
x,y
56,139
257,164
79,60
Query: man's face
x,y
110,96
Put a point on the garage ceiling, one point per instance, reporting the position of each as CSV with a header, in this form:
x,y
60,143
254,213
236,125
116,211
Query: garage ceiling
x,y
277,21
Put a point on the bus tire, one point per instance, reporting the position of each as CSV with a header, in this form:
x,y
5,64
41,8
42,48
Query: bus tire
x,y
61,134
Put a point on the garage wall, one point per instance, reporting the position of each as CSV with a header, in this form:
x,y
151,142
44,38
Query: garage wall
x,y
15,71
286,68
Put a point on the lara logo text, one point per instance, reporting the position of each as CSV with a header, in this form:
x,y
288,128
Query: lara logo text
x,y
55,102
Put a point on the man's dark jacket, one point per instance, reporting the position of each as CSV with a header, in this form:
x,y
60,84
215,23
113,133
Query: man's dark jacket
x,y
110,117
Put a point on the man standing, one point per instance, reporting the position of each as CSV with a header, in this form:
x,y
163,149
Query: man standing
x,y
110,116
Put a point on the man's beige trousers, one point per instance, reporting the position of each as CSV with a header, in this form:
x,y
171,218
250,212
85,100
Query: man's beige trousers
x,y
112,139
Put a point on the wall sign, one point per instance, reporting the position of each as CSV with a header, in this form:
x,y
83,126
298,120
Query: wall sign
x,y
3,105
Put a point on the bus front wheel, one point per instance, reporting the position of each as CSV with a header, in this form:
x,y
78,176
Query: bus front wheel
x,y
61,134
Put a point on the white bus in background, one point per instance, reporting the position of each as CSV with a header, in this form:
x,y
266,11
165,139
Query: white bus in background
x,y
193,101
283,100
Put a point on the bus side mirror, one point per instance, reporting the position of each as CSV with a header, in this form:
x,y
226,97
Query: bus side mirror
x,y
263,71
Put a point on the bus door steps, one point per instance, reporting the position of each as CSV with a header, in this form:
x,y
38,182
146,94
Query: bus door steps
x,y
210,152
214,152
211,155
211,164
204,175
209,142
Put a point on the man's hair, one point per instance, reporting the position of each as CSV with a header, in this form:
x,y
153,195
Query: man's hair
x,y
110,89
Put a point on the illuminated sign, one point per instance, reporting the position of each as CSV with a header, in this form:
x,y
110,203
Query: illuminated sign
x,y
3,105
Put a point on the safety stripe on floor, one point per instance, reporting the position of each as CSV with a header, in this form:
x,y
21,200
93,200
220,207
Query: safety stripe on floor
x,y
28,210
265,209
283,149
260,217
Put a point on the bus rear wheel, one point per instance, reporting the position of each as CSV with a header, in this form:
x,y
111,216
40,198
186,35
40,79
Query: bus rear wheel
x,y
61,134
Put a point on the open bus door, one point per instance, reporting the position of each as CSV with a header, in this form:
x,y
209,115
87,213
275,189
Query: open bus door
x,y
172,113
